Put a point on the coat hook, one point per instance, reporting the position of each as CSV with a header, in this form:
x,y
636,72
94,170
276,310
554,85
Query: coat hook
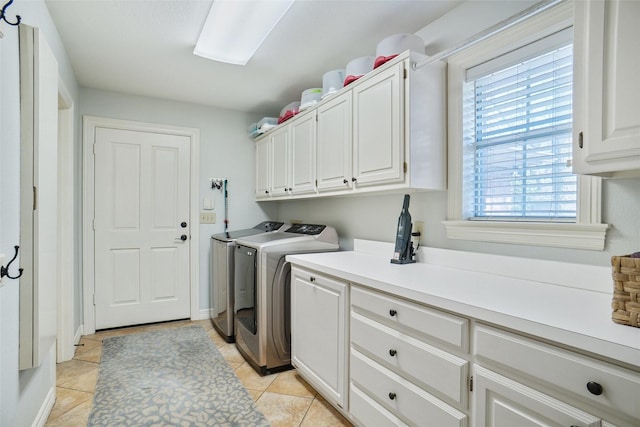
x,y
4,271
4,17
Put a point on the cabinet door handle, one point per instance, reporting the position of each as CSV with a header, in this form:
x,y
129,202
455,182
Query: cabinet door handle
x,y
392,313
354,179
581,139
266,191
290,189
344,181
392,352
594,388
312,279
392,396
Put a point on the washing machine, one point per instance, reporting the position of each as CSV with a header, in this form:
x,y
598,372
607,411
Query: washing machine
x,y
221,274
263,291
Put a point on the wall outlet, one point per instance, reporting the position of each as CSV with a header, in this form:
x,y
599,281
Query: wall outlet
x,y
418,227
207,217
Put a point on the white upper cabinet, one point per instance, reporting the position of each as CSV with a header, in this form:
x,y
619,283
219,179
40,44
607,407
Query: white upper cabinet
x,y
286,159
606,138
385,131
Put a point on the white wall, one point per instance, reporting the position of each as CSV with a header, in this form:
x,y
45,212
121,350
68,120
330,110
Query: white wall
x,y
226,151
22,393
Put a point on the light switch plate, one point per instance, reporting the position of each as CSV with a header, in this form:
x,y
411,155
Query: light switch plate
x,y
208,204
207,217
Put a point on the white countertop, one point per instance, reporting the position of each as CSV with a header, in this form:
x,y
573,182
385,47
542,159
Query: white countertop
x,y
578,318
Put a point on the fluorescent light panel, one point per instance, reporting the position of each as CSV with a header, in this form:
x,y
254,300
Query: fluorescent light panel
x,y
235,29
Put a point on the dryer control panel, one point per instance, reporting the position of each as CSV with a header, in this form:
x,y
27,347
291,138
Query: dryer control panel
x,y
311,229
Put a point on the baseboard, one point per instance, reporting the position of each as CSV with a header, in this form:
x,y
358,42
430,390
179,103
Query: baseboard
x,y
50,399
78,335
205,314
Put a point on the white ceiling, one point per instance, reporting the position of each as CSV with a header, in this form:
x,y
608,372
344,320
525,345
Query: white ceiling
x,y
144,47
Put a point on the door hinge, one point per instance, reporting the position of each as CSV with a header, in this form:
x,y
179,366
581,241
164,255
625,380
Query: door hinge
x,y
94,148
471,383
94,298
93,224
405,167
35,197
580,139
404,73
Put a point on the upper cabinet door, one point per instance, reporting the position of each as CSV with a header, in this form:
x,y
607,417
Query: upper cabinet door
x,y
606,138
378,128
263,170
280,161
303,154
335,143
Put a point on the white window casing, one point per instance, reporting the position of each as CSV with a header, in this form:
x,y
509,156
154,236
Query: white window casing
x,y
525,40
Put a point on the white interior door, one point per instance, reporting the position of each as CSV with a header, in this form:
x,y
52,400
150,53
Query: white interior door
x,y
141,212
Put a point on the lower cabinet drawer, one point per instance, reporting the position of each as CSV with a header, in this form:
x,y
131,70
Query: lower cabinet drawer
x,y
414,319
403,399
611,386
501,402
368,413
437,371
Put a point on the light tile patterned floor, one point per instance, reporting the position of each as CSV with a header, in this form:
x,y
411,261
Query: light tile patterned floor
x,y
285,398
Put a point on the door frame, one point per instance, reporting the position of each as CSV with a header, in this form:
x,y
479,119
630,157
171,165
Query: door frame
x,y
89,125
66,307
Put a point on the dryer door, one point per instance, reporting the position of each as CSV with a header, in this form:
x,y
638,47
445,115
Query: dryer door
x,y
245,287
280,300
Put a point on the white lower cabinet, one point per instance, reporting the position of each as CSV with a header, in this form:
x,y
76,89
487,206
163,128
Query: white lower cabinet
x,y
319,311
384,360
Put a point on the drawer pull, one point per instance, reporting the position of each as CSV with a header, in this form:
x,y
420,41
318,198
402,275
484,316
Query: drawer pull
x,y
594,388
392,352
392,396
392,312
312,279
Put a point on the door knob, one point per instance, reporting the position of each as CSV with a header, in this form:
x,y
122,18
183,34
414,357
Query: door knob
x,y
183,224
182,238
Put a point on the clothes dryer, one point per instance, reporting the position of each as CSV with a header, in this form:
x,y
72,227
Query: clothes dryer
x,y
221,274
263,291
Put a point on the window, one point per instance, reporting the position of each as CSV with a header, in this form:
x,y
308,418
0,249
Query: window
x,y
517,136
510,138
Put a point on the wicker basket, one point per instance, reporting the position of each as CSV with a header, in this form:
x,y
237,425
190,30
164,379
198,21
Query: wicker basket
x,y
626,290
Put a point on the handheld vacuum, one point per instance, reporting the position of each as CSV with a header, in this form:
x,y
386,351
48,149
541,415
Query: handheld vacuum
x,y
404,253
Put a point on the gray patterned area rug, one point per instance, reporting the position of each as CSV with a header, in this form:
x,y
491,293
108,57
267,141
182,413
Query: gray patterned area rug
x,y
173,377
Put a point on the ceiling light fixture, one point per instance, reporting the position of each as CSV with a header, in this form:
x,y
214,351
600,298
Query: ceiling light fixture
x,y
235,29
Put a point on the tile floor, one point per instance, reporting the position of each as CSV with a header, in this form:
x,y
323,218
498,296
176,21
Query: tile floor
x,y
285,398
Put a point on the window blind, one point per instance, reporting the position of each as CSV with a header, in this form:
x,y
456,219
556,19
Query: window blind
x,y
517,140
